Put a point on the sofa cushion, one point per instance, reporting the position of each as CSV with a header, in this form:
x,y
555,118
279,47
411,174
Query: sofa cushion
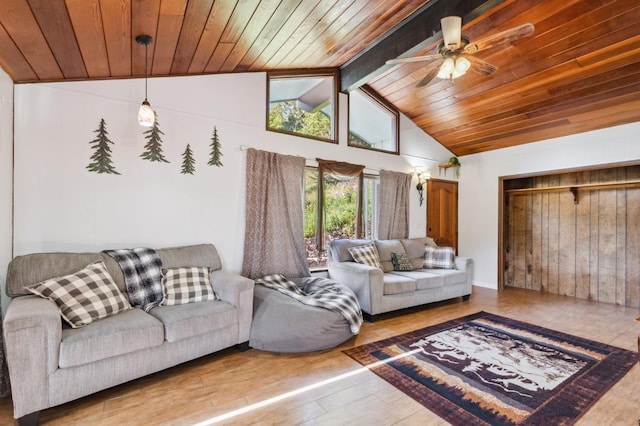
x,y
439,258
424,280
339,249
366,254
397,284
195,255
385,248
184,321
84,296
414,247
186,285
450,276
120,334
401,261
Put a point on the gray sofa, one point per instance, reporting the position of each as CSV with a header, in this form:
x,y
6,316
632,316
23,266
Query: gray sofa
x,y
384,290
51,363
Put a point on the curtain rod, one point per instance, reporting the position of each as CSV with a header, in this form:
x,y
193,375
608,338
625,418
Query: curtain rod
x,y
313,160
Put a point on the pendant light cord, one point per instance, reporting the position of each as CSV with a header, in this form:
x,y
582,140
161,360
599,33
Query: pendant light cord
x,y
146,59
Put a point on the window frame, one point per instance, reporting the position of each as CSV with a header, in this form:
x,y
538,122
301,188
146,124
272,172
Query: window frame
x,y
383,104
320,72
320,233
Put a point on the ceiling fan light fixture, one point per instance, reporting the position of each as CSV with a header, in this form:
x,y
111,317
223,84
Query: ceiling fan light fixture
x,y
451,31
462,66
446,68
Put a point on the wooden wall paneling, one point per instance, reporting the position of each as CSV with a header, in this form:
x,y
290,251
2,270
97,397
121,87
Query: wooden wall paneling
x,y
535,225
544,237
567,239
518,248
607,236
583,239
508,242
594,274
632,272
554,237
621,239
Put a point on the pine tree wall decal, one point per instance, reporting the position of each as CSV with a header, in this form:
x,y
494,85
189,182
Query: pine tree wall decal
x,y
101,158
188,162
153,148
215,150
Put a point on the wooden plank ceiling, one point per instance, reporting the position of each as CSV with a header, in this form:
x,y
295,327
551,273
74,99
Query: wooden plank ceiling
x,y
580,70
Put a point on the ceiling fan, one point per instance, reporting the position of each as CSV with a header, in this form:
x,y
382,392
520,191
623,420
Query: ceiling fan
x,y
455,53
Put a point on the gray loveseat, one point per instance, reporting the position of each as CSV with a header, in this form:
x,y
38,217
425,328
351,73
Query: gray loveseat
x,y
385,290
50,364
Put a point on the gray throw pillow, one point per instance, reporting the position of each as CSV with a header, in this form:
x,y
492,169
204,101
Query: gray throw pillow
x,y
400,261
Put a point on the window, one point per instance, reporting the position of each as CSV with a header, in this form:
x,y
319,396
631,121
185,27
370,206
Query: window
x,y
373,122
339,207
303,104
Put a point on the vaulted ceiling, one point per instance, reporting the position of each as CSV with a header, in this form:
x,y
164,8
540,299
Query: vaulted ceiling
x,y
579,71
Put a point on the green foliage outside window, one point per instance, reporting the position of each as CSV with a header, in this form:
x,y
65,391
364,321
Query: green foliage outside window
x,y
289,117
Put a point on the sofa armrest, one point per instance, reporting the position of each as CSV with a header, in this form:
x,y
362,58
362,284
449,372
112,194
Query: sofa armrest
x,y
32,335
238,291
365,281
465,264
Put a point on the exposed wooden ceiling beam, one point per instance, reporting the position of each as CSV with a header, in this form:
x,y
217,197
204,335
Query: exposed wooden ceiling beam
x,y
416,33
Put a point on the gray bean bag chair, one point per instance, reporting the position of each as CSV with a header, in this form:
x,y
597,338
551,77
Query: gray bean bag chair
x,y
284,324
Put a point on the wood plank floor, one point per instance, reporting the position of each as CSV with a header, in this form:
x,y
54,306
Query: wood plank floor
x,y
328,388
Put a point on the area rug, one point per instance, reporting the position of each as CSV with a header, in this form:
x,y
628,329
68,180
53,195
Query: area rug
x,y
487,369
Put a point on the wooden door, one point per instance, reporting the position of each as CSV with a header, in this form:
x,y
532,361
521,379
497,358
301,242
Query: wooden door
x,y
442,212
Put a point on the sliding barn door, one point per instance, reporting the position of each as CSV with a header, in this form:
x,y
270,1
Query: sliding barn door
x,y
442,212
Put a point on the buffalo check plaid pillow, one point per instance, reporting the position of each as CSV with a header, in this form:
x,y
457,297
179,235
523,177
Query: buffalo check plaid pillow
x,y
439,258
84,296
186,285
366,254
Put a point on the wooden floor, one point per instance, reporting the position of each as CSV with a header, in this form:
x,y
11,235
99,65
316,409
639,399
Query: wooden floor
x,y
328,388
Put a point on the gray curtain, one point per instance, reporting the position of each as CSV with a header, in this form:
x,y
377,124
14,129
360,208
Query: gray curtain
x,y
393,220
274,231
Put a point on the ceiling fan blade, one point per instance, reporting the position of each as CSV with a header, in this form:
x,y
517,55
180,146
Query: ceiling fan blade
x,y
433,71
516,33
480,66
413,59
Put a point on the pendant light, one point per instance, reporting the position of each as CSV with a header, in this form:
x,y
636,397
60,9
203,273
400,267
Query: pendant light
x,y
146,114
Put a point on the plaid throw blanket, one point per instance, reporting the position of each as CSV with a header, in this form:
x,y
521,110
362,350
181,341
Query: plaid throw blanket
x,y
321,292
142,269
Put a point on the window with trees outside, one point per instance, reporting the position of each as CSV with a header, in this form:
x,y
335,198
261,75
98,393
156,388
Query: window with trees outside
x,y
373,122
303,104
339,207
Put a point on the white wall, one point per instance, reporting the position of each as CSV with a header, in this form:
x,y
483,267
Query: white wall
x,y
6,170
59,205
478,189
